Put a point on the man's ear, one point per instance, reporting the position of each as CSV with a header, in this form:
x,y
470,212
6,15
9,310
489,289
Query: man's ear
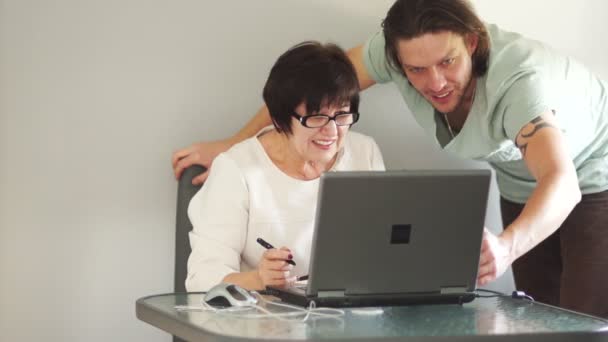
x,y
471,40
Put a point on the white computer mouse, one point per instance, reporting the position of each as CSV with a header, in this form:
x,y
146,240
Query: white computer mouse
x,y
225,295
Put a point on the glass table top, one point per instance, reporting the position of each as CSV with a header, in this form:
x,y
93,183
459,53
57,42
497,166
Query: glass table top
x,y
483,316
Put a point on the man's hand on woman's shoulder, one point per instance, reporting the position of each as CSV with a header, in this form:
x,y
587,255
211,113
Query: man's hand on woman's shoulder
x,y
202,153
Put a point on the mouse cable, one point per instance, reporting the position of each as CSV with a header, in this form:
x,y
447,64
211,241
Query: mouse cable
x,y
493,294
312,309
293,316
309,312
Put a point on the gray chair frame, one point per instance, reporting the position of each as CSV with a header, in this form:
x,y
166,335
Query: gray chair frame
x,y
185,192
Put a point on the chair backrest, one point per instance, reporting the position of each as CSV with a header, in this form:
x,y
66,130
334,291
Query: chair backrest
x,y
185,191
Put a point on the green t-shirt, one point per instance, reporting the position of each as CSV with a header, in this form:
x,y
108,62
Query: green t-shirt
x,y
525,79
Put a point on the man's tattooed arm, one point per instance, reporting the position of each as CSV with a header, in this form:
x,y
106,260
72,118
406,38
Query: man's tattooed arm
x,y
528,132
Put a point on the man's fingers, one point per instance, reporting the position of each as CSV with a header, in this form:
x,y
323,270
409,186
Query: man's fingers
x,y
481,281
484,279
200,179
179,155
186,162
487,265
485,257
488,269
485,243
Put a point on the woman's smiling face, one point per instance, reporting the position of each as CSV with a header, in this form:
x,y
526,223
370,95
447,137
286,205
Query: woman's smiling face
x,y
319,145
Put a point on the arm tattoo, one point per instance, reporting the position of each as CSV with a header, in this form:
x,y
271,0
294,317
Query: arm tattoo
x,y
537,124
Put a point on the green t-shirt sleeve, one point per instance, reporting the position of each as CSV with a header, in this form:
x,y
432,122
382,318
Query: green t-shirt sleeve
x,y
527,97
374,59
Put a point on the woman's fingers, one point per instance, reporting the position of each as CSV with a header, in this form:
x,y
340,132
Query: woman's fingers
x,y
277,254
275,277
274,269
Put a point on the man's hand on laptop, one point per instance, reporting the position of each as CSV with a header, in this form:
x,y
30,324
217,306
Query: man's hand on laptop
x,y
494,259
274,270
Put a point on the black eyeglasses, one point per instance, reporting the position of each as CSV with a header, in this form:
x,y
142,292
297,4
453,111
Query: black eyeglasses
x,y
320,120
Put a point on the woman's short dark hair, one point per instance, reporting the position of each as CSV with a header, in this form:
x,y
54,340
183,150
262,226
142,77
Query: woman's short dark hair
x,y
316,74
408,19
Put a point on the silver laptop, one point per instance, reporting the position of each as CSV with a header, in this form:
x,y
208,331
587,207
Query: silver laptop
x,y
395,238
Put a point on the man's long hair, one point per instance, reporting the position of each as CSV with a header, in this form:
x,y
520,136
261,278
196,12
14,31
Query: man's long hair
x,y
408,19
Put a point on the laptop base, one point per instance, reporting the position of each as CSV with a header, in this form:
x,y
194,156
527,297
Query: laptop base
x,y
291,297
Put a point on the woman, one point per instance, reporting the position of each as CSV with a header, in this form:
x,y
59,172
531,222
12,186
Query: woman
x,y
266,186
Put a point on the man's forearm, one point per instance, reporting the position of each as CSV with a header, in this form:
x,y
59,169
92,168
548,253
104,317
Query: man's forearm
x,y
546,209
259,121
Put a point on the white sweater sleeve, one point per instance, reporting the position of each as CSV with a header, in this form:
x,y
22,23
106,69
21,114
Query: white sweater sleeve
x,y
377,160
219,216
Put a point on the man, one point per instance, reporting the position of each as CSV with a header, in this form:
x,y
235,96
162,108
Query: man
x,y
539,119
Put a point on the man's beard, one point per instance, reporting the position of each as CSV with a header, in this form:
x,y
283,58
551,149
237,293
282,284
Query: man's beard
x,y
462,99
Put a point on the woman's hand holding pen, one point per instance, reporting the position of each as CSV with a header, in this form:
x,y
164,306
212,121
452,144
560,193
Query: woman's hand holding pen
x,y
274,269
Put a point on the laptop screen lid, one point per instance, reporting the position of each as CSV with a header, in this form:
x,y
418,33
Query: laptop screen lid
x,y
396,232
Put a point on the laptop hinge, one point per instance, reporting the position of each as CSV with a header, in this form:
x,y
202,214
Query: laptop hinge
x,y
334,293
453,289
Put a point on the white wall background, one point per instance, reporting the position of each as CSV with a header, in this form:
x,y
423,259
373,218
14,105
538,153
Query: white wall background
x,y
95,96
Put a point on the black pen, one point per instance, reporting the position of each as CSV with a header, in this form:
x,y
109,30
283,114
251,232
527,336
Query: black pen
x,y
269,246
